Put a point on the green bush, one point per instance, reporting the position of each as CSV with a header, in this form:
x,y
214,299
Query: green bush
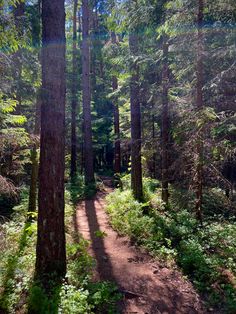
x,y
127,218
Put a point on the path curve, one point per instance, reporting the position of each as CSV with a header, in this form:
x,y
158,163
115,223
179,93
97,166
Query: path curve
x,y
148,287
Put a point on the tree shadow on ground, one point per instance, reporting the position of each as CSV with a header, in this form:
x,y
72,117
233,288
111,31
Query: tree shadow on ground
x,y
97,243
78,192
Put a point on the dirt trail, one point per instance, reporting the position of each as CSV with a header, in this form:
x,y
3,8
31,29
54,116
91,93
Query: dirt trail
x,y
148,287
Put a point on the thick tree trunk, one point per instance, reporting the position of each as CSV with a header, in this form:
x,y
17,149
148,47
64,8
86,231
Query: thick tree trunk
x,y
73,165
136,165
117,154
199,105
50,251
165,122
87,124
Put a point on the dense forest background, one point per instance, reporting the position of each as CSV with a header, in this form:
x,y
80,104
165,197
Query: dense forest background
x,y
142,93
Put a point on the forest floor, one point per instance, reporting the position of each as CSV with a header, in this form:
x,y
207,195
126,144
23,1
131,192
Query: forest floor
x,y
147,286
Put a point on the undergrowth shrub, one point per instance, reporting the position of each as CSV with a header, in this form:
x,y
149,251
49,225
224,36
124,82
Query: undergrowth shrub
x,y
149,185
78,190
127,218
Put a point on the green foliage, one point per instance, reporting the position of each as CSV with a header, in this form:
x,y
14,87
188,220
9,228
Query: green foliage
x,y
74,300
8,106
88,298
149,185
81,263
41,301
78,189
100,234
127,218
104,296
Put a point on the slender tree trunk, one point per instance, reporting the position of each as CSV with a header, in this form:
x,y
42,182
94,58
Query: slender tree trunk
x,y
73,166
34,154
117,154
33,181
153,173
165,122
19,12
136,165
199,105
34,160
81,141
87,124
50,251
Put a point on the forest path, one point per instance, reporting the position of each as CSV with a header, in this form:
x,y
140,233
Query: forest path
x,y
148,287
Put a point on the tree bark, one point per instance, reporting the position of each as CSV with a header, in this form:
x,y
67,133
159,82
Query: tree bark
x,y
33,181
32,206
87,124
73,165
199,105
19,12
165,122
34,159
153,172
117,153
136,165
50,251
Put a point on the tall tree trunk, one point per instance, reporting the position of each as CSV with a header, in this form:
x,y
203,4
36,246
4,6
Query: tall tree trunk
x,y
117,154
73,166
136,165
19,11
34,159
165,122
153,172
81,141
87,124
33,181
50,251
34,154
199,105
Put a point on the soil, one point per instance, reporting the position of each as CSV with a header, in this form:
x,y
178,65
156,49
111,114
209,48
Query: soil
x,y
147,286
